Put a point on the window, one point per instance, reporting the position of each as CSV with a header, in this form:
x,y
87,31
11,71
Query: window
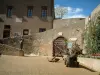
x,y
42,29
30,11
44,11
7,27
25,31
6,32
9,11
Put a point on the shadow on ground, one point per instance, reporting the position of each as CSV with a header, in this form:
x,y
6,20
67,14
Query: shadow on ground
x,y
81,66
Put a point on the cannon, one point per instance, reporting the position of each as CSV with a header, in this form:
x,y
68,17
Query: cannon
x,y
72,53
71,61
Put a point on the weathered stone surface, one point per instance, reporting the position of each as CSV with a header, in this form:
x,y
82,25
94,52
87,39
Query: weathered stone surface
x,y
14,42
45,40
42,43
95,13
8,50
91,63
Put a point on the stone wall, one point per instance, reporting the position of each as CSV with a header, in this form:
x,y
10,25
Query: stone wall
x,y
14,42
95,13
8,50
73,22
87,19
93,64
42,43
28,45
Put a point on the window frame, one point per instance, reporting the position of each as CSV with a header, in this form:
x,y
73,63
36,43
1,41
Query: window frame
x,y
27,30
7,28
9,11
42,29
44,11
31,11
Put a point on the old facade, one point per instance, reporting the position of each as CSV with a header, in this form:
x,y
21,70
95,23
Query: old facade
x,y
25,17
44,43
67,28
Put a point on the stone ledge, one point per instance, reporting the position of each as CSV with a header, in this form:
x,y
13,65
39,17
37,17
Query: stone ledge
x,y
93,64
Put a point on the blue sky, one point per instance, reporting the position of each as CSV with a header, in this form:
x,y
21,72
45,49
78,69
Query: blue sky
x,y
78,8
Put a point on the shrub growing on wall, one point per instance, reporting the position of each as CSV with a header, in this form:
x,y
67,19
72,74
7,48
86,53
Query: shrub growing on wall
x,y
92,37
98,34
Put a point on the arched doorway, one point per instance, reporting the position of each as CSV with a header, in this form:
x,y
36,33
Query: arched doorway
x,y
59,46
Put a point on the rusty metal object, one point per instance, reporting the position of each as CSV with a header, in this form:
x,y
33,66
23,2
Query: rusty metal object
x,y
54,59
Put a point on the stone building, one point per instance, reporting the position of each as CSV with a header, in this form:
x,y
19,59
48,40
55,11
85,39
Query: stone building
x,y
93,16
63,29
67,28
95,13
47,43
29,17
25,17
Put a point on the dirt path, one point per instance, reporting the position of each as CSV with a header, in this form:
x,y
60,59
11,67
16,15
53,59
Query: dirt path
x,y
13,65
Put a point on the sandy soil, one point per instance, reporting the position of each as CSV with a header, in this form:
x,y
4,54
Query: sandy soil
x,y
14,65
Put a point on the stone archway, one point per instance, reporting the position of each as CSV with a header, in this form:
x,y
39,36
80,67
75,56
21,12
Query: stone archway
x,y
59,46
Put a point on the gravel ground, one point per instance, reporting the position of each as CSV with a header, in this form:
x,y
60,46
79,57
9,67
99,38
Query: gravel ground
x,y
14,65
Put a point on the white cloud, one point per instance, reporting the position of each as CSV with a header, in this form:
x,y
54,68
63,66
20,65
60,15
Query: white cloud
x,y
78,10
77,16
73,12
56,5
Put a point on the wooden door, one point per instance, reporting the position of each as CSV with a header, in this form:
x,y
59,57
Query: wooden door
x,y
59,47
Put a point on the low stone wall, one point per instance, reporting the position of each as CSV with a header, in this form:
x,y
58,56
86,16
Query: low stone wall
x,y
42,43
90,63
8,50
28,46
14,42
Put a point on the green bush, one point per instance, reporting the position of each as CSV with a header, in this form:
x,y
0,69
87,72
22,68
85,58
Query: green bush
x,y
92,37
